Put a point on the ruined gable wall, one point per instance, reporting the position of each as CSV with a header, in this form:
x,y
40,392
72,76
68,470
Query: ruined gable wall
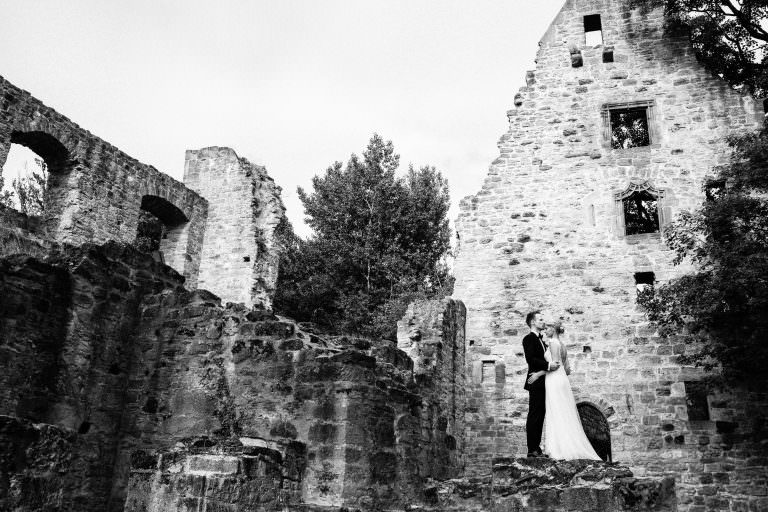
x,y
240,255
96,190
543,232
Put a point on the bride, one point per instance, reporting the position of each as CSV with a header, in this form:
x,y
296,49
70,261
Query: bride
x,y
564,436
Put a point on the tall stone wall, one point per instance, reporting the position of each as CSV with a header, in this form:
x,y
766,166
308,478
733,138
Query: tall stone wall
x,y
240,256
95,191
546,232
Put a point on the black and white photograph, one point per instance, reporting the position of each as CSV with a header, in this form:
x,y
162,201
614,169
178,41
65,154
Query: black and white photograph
x,y
383,256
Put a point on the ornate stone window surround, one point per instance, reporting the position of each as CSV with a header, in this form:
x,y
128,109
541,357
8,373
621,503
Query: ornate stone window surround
x,y
639,185
650,109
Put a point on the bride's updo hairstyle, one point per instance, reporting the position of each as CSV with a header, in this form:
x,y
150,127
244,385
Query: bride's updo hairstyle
x,y
558,327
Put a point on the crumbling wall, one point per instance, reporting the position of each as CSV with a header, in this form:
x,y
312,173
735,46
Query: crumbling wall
x,y
95,191
546,231
158,398
432,334
240,255
65,338
343,419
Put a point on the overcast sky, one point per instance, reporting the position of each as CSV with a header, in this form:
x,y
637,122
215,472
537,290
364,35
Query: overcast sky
x,y
290,84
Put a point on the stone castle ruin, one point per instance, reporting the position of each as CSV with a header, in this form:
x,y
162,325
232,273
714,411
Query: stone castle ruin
x,y
556,227
164,382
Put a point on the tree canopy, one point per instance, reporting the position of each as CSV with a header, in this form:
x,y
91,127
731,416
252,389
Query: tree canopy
x,y
28,189
379,240
730,37
723,305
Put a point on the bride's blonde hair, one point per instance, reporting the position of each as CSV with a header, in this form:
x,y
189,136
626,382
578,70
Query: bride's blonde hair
x,y
557,326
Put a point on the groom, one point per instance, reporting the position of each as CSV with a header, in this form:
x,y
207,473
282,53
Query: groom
x,y
534,348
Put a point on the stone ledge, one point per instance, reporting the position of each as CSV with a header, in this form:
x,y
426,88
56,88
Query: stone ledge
x,y
553,485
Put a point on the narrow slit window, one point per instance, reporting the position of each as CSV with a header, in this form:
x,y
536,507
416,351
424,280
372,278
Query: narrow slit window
x,y
696,400
593,30
489,371
641,213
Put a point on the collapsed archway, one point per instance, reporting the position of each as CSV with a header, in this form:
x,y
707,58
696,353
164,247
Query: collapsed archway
x,y
31,159
597,429
161,231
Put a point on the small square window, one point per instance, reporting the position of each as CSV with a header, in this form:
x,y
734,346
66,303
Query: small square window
x,y
608,54
629,128
644,281
593,30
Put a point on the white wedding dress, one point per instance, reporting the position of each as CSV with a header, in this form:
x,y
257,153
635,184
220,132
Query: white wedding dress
x,y
564,436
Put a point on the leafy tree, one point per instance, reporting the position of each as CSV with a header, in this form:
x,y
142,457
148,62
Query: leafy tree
x,y
379,240
629,129
723,305
149,232
30,189
641,213
6,196
730,37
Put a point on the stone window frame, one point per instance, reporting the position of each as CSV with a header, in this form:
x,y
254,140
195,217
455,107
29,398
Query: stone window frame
x,y
640,186
651,115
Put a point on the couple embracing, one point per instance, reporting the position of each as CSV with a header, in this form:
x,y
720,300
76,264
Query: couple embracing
x,y
551,406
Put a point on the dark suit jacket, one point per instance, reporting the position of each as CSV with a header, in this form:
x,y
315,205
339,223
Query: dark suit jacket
x,y
534,356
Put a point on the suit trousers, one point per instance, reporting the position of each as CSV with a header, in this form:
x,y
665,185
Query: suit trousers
x,y
534,424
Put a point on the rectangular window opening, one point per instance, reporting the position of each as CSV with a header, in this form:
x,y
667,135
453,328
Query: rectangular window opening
x,y
608,55
644,281
629,128
696,400
645,278
593,30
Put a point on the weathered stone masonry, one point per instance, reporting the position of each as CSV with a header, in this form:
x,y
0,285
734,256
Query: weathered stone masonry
x,y
219,226
547,231
244,210
160,398
95,191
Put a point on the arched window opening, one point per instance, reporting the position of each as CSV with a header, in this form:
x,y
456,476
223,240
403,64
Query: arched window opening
x,y
23,181
161,231
640,209
597,430
641,213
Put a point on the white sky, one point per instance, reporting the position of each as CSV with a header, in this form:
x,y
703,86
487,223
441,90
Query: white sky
x,y
293,85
